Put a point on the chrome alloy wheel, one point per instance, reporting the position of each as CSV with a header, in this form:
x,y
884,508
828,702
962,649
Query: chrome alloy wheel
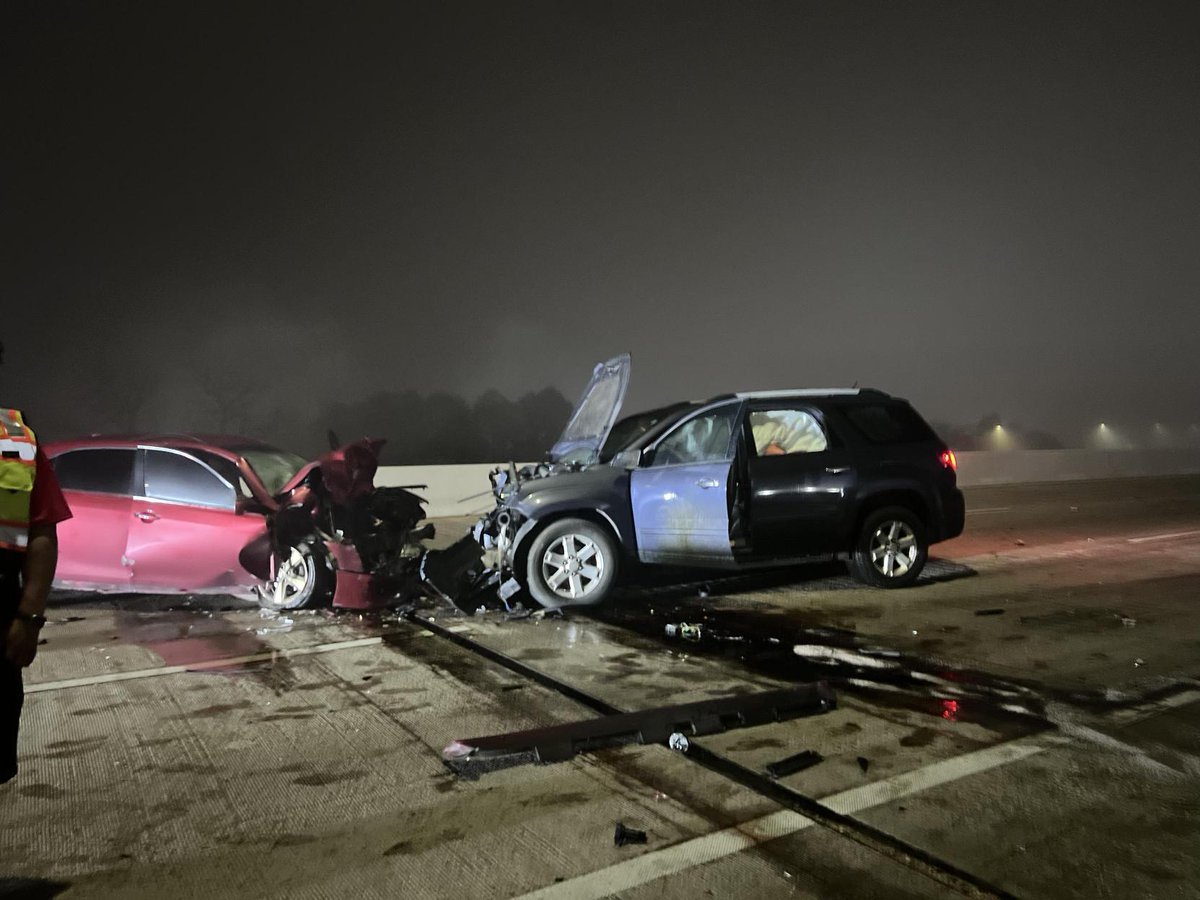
x,y
894,548
573,566
293,582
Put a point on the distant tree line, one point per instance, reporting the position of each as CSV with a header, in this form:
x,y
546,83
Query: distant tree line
x,y
437,428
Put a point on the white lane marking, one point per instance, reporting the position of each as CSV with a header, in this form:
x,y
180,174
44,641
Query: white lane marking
x,y
834,655
1163,537
988,509
200,666
1154,707
655,864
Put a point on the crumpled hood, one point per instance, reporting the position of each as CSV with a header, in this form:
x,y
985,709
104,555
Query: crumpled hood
x,y
347,472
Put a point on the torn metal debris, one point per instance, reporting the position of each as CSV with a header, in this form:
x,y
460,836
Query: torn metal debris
x,y
471,757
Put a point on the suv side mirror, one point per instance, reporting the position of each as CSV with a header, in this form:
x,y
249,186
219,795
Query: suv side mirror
x,y
627,459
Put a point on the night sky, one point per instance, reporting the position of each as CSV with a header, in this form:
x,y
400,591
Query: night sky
x,y
984,207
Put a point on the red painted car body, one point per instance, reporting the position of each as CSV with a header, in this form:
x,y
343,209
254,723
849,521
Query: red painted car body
x,y
162,513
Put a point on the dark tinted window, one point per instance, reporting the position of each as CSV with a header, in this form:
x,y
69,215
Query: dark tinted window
x,y
705,438
170,476
891,423
102,471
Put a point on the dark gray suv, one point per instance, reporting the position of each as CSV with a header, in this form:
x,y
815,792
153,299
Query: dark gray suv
x,y
738,481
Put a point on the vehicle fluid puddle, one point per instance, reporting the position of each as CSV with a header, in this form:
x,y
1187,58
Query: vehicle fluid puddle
x,y
186,637
795,645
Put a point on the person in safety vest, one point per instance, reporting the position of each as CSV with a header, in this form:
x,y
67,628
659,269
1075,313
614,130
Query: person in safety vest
x,y
31,505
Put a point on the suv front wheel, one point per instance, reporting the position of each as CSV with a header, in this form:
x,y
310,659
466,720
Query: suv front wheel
x,y
571,561
891,550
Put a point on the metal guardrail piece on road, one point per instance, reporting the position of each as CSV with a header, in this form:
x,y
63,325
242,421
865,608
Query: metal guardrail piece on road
x,y
471,757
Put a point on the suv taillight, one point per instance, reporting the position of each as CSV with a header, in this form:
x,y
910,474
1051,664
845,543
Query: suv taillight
x,y
948,460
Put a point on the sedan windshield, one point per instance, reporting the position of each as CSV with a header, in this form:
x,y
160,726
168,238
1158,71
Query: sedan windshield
x,y
274,467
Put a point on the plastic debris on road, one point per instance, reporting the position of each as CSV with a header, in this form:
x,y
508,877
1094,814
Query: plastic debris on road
x,y
792,764
684,630
678,742
623,835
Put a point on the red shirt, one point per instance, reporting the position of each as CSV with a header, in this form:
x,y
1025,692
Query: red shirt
x,y
47,505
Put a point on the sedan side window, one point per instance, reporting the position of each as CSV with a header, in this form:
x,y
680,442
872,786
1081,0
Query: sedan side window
x,y
706,438
172,476
107,471
778,432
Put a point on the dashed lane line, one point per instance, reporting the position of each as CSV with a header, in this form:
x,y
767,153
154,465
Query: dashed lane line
x,y
1163,537
266,656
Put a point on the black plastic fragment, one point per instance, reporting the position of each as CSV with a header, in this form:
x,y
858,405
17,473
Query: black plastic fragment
x,y
864,763
454,572
994,611
625,835
797,763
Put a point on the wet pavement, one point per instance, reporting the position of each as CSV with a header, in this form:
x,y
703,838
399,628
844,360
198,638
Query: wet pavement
x,y
1027,716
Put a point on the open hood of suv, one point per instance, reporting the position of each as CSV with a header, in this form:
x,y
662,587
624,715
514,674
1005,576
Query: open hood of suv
x,y
594,414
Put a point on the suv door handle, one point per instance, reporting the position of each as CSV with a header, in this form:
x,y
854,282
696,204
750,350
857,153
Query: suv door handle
x,y
837,470
708,483
148,516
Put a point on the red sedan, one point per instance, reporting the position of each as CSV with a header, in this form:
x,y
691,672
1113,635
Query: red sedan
x,y
190,513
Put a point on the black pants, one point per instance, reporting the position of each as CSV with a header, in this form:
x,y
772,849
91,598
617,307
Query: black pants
x,y
12,698
12,693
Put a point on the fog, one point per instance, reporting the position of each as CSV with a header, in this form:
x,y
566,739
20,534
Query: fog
x,y
259,220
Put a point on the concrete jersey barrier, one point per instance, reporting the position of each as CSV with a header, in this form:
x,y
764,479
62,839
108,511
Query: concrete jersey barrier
x,y
464,490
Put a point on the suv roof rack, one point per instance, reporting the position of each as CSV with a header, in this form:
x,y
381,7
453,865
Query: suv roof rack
x,y
809,392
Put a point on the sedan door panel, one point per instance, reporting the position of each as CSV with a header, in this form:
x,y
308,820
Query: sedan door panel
x,y
179,545
91,544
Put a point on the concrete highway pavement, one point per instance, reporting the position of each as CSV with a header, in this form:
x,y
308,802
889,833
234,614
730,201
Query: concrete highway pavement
x,y
1028,716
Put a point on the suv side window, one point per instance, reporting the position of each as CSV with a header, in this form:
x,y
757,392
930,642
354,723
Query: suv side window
x,y
173,476
779,432
102,471
705,438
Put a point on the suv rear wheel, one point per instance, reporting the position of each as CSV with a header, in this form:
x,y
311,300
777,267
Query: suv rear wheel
x,y
891,550
571,561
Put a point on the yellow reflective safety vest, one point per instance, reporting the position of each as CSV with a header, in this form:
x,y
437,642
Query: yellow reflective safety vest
x,y
18,468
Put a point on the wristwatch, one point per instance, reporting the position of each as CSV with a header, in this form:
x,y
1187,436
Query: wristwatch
x,y
32,618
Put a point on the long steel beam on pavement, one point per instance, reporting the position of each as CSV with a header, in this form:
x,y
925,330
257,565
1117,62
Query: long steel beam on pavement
x,y
909,855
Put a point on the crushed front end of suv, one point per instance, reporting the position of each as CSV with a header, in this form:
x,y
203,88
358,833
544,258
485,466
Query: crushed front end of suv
x,y
739,481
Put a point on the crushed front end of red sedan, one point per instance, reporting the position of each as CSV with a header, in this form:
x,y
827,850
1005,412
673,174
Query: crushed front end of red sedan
x,y
222,514
358,545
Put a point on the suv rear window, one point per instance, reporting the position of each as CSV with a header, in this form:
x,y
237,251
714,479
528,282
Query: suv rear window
x,y
890,423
